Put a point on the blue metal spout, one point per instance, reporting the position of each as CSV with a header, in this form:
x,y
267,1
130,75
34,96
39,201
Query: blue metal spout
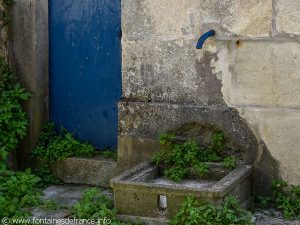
x,y
203,38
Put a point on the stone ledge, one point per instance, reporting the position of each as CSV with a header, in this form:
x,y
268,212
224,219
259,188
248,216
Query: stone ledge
x,y
90,171
144,220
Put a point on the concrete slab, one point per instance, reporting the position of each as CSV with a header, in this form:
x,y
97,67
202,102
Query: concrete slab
x,y
95,171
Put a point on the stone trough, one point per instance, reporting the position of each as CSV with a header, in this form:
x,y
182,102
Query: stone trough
x,y
142,191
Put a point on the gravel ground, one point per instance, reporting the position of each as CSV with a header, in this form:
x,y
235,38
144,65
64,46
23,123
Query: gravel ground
x,y
271,217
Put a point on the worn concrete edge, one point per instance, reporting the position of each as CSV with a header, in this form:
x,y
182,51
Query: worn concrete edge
x,y
224,186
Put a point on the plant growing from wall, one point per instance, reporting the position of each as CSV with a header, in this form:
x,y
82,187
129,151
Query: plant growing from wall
x,y
194,212
180,159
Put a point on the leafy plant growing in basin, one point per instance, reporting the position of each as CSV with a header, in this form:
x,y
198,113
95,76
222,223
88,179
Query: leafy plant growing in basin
x,y
229,162
179,159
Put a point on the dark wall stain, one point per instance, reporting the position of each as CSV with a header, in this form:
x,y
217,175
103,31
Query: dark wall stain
x,y
265,172
238,44
211,85
198,122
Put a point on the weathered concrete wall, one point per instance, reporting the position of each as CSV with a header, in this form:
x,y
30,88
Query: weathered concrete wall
x,y
29,55
251,67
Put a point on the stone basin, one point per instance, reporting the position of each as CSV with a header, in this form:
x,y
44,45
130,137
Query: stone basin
x,y
137,191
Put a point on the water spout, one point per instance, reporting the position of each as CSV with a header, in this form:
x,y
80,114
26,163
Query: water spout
x,y
203,38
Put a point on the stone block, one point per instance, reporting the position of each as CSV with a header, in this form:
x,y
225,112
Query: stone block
x,y
252,19
260,73
288,16
148,19
170,71
279,130
91,171
132,151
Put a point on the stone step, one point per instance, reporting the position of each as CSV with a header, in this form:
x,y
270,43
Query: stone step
x,y
95,171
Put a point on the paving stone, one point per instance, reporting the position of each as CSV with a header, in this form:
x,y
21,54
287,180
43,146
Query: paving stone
x,y
63,195
271,217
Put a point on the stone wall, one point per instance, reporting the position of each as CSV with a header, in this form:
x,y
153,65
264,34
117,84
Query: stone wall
x,y
244,81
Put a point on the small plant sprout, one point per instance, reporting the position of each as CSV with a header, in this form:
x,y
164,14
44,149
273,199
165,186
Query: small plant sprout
x,y
229,162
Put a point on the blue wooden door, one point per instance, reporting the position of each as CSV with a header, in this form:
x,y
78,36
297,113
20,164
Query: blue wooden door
x,y
85,68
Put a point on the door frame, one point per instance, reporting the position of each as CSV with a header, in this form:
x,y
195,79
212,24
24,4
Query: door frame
x,y
28,53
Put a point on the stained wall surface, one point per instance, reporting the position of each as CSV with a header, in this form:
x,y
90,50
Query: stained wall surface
x,y
29,56
246,79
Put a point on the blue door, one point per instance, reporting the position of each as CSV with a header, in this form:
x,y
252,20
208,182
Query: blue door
x,y
85,68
